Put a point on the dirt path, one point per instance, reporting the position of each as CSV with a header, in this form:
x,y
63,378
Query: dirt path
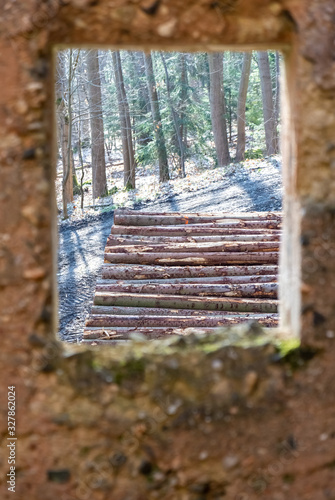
x,y
81,243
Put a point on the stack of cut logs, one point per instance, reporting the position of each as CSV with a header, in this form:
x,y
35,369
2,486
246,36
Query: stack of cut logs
x,y
165,273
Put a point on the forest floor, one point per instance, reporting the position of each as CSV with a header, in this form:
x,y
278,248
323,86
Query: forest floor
x,y
254,185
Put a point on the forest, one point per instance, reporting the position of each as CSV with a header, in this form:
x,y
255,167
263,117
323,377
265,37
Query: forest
x,y
127,117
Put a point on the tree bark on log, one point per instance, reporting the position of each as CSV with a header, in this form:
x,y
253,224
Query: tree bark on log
x,y
256,290
170,321
172,220
146,311
160,272
143,240
192,259
185,302
262,246
134,221
190,230
218,215
224,280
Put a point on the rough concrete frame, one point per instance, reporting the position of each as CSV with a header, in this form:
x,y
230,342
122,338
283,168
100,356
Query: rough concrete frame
x,y
166,421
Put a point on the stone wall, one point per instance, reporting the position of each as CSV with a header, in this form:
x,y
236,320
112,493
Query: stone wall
x,y
240,416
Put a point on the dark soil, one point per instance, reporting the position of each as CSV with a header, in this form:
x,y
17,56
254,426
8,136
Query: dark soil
x,y
81,243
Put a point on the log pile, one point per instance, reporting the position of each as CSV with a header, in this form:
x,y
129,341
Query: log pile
x,y
165,273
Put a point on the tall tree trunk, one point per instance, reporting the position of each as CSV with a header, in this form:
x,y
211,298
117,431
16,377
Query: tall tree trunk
x,y
123,123
230,120
268,110
85,131
85,125
217,104
80,155
140,68
97,126
76,187
157,122
183,99
175,119
242,98
67,180
83,122
141,98
277,100
82,170
62,88
69,170
127,140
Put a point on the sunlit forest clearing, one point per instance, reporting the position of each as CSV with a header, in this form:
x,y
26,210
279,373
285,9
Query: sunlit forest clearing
x,y
135,127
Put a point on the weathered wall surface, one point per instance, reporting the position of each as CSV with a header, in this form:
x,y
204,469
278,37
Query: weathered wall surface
x,y
188,421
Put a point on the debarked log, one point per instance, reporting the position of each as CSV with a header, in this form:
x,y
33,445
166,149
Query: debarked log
x,y
196,230
185,302
172,220
114,271
175,321
261,290
143,240
193,259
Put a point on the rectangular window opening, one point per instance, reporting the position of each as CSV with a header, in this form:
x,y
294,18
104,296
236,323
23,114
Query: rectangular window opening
x,y
181,151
